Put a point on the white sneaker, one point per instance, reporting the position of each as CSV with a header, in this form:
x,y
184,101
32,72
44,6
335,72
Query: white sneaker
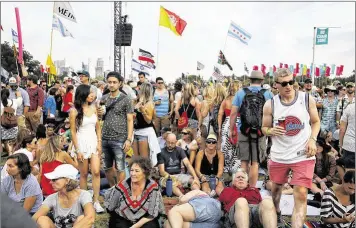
x,y
98,208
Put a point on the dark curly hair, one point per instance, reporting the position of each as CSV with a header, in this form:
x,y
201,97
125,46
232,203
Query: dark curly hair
x,y
144,163
22,163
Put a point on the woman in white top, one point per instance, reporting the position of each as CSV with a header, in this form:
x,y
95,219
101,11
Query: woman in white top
x,y
86,137
8,135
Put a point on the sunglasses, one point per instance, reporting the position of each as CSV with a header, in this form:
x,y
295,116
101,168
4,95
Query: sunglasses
x,y
349,87
160,83
210,142
326,91
284,84
185,133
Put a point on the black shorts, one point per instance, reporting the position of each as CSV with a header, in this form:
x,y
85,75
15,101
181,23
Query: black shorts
x,y
347,160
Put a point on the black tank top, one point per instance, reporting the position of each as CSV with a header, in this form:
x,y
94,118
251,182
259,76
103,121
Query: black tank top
x,y
140,122
207,168
190,109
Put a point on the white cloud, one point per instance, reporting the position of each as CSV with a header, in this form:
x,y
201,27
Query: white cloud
x,y
281,32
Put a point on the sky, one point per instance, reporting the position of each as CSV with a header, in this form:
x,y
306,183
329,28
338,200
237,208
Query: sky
x,y
281,32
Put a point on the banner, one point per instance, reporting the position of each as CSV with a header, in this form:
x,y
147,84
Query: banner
x,y
321,36
64,10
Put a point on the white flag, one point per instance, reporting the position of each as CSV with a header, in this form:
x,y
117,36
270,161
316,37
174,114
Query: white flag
x,y
200,66
139,67
64,10
57,25
15,37
237,32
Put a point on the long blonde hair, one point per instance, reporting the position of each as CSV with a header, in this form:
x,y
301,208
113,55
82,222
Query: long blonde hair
x,y
188,93
146,93
52,147
233,88
220,94
208,94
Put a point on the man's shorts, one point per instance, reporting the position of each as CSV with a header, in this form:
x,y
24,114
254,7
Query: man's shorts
x,y
243,151
347,160
254,217
302,173
184,179
112,151
207,212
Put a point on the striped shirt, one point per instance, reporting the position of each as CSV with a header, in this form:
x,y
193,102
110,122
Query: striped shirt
x,y
163,108
331,207
329,111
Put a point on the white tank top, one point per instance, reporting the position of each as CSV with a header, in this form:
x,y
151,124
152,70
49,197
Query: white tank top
x,y
290,148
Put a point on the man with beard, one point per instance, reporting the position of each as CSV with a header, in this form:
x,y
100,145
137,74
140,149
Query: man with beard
x,y
117,131
169,165
345,101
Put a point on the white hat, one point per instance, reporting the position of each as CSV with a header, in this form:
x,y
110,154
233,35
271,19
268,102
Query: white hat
x,y
212,136
266,86
12,81
63,171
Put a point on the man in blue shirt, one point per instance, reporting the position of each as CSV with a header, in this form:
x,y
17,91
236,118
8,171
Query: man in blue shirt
x,y
258,154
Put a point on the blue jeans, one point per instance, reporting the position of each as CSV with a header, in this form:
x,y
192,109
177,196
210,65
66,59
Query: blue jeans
x,y
112,151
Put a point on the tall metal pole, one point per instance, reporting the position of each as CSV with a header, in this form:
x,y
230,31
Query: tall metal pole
x,y
117,33
313,53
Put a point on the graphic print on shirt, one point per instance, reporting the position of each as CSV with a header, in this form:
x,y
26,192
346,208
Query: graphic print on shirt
x,y
63,221
293,125
173,164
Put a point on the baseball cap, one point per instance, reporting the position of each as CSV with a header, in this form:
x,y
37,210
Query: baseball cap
x,y
308,80
12,81
212,136
63,171
86,73
350,84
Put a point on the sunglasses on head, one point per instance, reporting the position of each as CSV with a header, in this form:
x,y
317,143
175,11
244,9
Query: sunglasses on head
x,y
284,84
185,133
210,142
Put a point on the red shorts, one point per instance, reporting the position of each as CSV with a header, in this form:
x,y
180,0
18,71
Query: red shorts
x,y
302,172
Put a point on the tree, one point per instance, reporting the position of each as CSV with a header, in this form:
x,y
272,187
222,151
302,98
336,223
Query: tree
x,y
8,60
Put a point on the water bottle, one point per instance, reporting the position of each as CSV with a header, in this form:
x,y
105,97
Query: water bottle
x,y
212,182
169,186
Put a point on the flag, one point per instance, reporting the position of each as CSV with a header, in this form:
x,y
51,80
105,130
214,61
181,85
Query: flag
x,y
270,72
274,68
57,25
291,68
139,67
1,28
222,60
42,68
246,69
235,31
263,69
308,73
64,9
280,65
337,71
200,66
297,68
341,69
145,56
255,68
304,70
327,71
151,65
15,37
217,74
285,65
317,71
52,67
172,21
332,68
295,72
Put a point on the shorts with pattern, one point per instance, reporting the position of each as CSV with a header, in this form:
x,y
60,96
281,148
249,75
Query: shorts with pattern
x,y
113,152
254,217
207,212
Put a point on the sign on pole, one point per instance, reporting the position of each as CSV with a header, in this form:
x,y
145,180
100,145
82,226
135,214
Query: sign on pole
x,y
322,36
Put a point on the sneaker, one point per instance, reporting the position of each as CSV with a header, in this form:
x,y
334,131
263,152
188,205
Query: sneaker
x,y
280,221
98,208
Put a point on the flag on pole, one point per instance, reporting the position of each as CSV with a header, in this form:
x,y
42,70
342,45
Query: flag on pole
x,y
263,69
327,71
246,69
317,71
139,67
172,21
58,25
64,9
15,37
270,72
237,32
332,68
200,66
222,60
145,56
274,68
217,74
50,64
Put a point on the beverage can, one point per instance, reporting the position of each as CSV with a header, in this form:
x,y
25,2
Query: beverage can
x,y
281,122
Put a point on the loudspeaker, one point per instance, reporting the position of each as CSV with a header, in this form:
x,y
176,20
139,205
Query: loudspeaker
x,y
123,35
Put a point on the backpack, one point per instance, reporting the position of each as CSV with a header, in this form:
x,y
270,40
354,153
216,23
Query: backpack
x,y
8,118
214,121
251,113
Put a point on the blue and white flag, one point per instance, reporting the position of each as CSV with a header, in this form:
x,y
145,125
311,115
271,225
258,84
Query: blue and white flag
x,y
58,25
235,31
139,67
15,37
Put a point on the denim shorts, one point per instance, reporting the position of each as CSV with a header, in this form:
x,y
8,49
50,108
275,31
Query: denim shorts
x,y
207,212
140,138
112,151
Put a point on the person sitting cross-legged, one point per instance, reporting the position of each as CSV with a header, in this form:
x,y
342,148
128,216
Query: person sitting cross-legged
x,y
169,165
244,206
195,209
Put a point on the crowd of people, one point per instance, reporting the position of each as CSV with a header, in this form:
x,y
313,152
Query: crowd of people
x,y
202,143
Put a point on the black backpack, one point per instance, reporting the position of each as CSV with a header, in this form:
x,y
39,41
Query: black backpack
x,y
214,120
251,113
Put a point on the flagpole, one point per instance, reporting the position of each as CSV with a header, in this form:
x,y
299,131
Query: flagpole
x,y
157,64
50,51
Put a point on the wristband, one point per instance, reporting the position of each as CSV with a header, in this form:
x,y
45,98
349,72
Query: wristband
x,y
129,140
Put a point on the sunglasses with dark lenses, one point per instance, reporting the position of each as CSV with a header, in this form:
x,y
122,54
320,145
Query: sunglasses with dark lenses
x,y
284,84
350,86
185,133
160,83
211,142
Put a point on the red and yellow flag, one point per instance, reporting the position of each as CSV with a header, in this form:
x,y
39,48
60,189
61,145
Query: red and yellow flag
x,y
172,21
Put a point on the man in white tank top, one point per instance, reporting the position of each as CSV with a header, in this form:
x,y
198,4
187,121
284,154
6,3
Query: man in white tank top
x,y
291,119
